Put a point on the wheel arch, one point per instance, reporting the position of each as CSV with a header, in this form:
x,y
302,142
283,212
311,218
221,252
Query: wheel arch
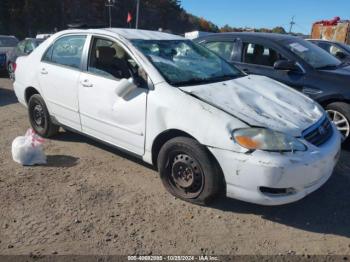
x,y
29,92
326,102
165,136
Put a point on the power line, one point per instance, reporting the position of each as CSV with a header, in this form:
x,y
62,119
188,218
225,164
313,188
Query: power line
x,y
110,4
292,23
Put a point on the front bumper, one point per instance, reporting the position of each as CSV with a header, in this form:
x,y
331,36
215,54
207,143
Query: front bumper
x,y
300,173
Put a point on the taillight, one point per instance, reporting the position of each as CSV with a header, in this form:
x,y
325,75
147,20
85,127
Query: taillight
x,y
14,66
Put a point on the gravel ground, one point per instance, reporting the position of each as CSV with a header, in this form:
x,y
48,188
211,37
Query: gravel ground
x,y
91,199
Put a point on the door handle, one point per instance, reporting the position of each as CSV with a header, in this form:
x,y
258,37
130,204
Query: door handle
x,y
43,71
86,83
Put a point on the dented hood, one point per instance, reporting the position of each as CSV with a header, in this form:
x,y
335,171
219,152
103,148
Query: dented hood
x,y
262,102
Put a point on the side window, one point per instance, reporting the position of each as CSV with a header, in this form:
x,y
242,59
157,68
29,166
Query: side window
x,y
260,55
324,46
109,59
223,49
66,51
48,54
334,50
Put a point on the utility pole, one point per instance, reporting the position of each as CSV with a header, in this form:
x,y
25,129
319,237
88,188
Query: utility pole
x,y
110,4
137,13
292,23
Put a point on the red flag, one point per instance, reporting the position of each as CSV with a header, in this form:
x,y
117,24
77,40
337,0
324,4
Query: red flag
x,y
129,19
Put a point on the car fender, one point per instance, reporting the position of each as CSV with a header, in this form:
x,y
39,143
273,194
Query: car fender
x,y
169,108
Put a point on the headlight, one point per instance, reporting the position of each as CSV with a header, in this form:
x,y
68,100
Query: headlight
x,y
268,140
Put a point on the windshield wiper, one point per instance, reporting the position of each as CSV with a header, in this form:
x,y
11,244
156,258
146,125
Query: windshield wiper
x,y
224,77
330,67
192,81
195,81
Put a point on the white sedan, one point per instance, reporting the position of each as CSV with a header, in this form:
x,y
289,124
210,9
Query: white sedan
x,y
206,126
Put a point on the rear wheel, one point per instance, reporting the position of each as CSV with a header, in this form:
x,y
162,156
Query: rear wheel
x,y
188,171
11,71
339,113
40,118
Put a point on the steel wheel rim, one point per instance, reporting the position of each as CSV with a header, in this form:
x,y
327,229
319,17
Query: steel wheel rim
x,y
39,116
340,121
185,175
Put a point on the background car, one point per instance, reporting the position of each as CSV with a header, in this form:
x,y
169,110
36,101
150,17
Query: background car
x,y
294,62
337,49
23,48
7,46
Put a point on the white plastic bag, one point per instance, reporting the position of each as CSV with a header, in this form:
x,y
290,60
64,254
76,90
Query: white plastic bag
x,y
28,150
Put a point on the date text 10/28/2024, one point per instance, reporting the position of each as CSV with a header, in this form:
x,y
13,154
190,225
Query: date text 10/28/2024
x,y
173,258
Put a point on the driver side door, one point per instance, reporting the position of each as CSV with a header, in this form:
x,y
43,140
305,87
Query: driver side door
x,y
104,114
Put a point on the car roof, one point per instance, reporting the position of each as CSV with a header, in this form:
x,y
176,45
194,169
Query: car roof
x,y
35,39
9,36
256,35
132,34
320,40
325,41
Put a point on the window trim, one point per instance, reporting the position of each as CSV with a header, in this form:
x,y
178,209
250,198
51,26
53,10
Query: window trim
x,y
65,66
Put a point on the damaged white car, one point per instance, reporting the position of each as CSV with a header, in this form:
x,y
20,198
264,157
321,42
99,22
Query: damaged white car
x,y
208,127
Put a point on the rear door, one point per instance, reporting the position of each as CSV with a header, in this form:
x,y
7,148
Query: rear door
x,y
59,74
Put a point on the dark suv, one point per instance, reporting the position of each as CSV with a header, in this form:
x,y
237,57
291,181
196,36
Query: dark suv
x,y
294,62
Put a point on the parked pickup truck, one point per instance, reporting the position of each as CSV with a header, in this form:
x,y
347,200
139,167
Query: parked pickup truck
x,y
205,125
293,61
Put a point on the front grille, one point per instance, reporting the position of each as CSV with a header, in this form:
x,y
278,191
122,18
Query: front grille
x,y
320,133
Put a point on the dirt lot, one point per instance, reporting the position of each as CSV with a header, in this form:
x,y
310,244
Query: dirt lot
x,y
91,199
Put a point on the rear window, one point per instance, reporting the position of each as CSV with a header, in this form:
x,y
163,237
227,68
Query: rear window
x,y
8,42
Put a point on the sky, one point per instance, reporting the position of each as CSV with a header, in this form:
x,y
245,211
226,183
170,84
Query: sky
x,y
268,13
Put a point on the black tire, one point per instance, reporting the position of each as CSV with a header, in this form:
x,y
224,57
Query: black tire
x,y
344,111
10,71
188,171
39,117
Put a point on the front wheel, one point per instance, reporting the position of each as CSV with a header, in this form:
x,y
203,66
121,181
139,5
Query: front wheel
x,y
339,113
188,171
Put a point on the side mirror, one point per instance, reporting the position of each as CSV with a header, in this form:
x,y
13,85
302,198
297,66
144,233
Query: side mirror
x,y
125,87
286,65
340,55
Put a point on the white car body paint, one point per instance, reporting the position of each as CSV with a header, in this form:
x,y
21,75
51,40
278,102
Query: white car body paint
x,y
209,113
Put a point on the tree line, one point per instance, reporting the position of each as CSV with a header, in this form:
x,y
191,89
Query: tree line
x,y
26,18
